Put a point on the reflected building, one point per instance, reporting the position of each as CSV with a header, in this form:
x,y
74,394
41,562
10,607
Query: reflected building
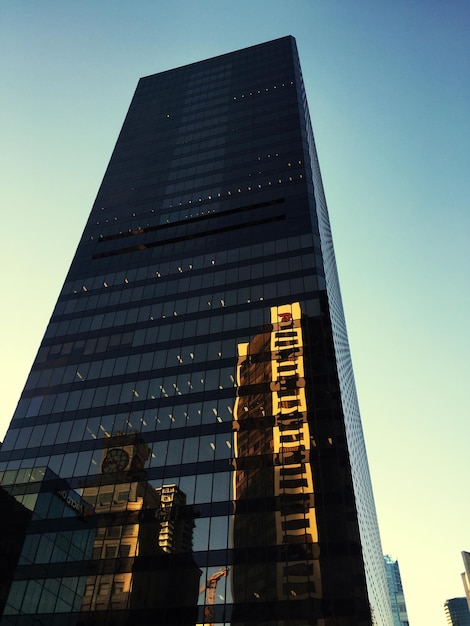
x,y
138,527
121,499
176,521
194,386
272,443
395,589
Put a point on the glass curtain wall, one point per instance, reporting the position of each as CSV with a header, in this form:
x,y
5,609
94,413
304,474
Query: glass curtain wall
x,y
180,453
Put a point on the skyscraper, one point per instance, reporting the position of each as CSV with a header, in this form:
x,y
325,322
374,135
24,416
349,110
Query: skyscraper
x,y
466,576
191,411
395,589
457,612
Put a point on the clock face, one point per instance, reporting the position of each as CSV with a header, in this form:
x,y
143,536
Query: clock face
x,y
116,460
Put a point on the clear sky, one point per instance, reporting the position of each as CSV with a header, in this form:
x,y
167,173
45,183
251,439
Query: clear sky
x,y
388,85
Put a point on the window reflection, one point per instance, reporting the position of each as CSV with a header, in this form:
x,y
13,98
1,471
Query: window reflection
x,y
142,530
272,466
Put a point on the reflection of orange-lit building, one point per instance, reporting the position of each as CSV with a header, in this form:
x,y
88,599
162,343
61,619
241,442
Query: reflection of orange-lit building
x,y
118,501
254,472
271,447
139,527
175,529
295,520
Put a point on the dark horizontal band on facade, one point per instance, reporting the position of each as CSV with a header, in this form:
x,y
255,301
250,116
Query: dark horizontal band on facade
x,y
286,503
302,549
257,463
169,278
125,347
261,423
155,372
199,218
215,231
257,611
308,270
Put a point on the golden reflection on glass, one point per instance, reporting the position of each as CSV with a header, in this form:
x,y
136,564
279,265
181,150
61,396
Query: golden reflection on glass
x,y
142,530
273,482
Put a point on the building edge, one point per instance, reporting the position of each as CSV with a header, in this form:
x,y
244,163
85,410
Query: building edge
x,y
362,484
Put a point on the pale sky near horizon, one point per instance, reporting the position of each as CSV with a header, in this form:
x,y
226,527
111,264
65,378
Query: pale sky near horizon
x,y
388,85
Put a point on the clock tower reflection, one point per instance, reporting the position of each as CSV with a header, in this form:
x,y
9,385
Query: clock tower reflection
x,y
140,531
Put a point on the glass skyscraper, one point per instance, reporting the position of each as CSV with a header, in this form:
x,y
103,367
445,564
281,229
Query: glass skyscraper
x,y
457,612
188,448
395,589
466,576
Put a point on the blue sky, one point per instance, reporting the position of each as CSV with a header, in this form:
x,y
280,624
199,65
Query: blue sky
x,y
389,94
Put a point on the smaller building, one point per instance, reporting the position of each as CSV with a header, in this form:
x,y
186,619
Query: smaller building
x,y
395,590
176,520
14,520
457,612
142,554
29,497
466,575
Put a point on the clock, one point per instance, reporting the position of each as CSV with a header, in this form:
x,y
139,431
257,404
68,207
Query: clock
x,y
116,460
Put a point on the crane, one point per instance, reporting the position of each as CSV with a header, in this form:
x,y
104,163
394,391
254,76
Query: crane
x,y
209,587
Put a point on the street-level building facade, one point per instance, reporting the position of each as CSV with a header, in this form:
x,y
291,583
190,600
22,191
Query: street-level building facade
x,y
192,410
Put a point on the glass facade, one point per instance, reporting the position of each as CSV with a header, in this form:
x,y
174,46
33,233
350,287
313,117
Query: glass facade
x,y
457,612
188,447
395,589
466,576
